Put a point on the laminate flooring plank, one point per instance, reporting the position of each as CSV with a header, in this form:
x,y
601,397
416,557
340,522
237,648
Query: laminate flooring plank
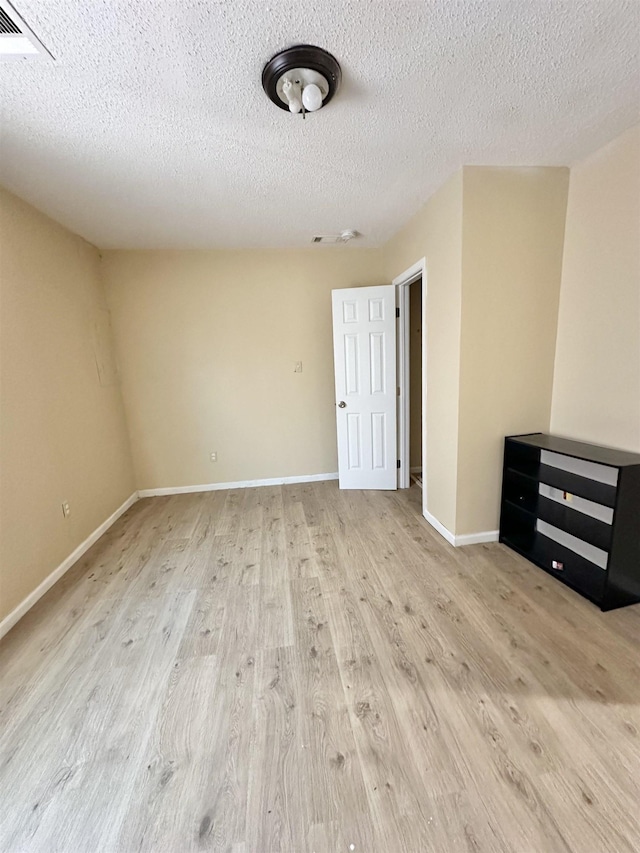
x,y
348,628
162,813
204,627
209,508
312,502
300,555
199,568
329,569
273,560
231,516
392,778
184,511
220,802
275,627
174,509
162,575
278,807
248,555
338,798
224,559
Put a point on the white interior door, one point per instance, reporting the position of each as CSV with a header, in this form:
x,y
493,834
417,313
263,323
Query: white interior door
x,y
364,349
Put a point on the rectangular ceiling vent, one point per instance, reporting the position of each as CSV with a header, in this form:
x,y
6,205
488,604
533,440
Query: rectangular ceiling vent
x,y
327,238
17,39
342,237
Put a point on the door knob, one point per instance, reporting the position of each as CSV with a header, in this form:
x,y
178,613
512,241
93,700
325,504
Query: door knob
x,y
342,404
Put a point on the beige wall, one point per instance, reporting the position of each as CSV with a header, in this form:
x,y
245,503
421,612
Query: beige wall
x,y
207,342
512,237
596,389
436,233
62,433
492,239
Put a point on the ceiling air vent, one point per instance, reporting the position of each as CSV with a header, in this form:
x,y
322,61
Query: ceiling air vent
x,y
343,237
17,40
326,238
7,25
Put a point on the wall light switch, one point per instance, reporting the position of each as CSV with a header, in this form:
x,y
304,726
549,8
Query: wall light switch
x,y
66,509
297,367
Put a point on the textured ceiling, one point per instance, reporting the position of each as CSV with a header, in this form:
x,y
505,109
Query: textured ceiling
x,y
151,129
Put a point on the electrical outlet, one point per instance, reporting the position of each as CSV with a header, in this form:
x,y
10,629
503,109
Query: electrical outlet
x,y
297,367
66,509
213,457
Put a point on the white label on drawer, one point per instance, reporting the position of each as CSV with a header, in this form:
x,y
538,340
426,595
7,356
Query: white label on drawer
x,y
579,546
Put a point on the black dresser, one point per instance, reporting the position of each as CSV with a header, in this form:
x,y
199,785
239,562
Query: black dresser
x,y
573,509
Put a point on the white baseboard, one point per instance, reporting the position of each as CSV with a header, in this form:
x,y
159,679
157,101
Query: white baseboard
x,y
9,621
442,530
240,484
477,538
466,539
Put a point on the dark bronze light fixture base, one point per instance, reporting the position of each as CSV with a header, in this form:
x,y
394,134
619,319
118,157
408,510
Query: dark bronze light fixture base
x,y
301,56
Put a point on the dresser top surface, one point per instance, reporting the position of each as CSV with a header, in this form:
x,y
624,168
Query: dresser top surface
x,y
579,449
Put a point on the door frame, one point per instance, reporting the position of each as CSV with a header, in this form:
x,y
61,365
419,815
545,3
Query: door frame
x,y
402,283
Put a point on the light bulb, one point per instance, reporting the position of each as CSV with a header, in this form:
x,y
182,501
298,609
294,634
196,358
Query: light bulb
x,y
312,97
291,91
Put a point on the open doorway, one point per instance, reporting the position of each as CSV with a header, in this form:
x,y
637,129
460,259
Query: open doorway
x,y
415,382
411,289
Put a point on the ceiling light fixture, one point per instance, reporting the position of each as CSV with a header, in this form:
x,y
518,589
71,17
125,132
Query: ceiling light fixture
x,y
301,79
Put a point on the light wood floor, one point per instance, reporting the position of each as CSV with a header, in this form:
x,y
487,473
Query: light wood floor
x,y
302,669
